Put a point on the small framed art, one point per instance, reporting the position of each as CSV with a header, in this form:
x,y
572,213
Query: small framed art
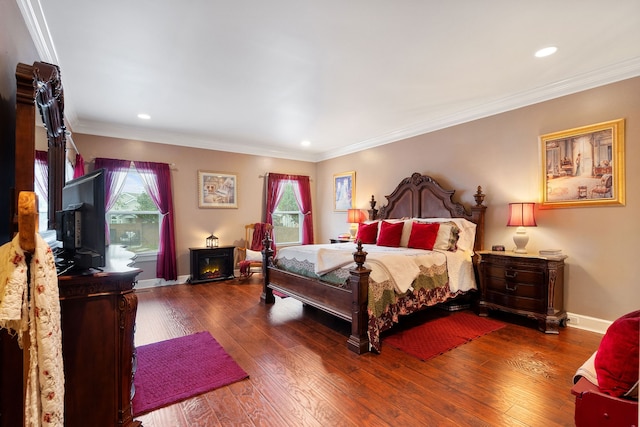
x,y
217,190
344,191
583,166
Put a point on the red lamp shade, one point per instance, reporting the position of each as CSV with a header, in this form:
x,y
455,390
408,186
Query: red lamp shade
x,y
355,216
521,215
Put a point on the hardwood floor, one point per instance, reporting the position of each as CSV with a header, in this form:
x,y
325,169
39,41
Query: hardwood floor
x,y
301,373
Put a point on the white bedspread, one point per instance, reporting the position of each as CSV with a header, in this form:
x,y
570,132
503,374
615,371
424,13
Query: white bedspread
x,y
399,265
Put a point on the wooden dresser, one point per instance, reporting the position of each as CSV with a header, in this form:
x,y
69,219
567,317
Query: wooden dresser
x,y
524,284
98,313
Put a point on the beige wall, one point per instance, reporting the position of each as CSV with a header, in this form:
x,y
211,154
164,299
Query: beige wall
x,y
501,153
193,225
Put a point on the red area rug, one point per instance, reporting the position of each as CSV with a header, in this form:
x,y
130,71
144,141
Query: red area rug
x,y
176,369
440,335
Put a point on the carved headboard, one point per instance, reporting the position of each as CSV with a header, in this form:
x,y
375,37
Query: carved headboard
x,y
420,196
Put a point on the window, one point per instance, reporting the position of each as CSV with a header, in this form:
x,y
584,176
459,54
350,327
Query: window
x,y
134,220
287,218
41,185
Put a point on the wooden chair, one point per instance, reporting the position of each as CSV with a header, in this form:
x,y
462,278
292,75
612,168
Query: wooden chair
x,y
250,254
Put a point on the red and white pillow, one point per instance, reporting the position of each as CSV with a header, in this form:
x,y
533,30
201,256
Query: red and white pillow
x,y
452,234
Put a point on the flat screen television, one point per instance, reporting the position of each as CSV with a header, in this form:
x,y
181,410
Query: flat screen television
x,y
80,226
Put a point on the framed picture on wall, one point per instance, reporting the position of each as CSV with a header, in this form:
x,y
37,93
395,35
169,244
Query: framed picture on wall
x,y
344,191
217,190
583,166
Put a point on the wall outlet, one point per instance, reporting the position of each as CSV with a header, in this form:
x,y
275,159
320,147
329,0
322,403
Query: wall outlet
x,y
574,320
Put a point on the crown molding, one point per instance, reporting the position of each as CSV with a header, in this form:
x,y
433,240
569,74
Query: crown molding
x,y
204,142
36,23
618,72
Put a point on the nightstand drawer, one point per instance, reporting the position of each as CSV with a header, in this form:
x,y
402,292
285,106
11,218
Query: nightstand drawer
x,y
518,300
515,274
517,288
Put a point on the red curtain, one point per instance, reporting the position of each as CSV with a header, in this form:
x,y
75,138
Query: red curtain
x,y
157,182
303,196
78,168
302,190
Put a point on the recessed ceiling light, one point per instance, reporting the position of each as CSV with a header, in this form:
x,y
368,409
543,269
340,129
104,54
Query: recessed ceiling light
x,y
305,143
144,116
546,51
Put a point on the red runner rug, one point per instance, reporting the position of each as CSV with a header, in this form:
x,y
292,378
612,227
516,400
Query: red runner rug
x,y
176,369
438,336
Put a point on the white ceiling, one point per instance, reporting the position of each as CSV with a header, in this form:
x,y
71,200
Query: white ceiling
x,y
259,77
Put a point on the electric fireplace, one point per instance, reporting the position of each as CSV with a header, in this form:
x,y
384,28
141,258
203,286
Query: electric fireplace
x,y
210,264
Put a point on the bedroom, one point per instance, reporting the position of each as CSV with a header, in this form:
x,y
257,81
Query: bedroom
x,y
500,153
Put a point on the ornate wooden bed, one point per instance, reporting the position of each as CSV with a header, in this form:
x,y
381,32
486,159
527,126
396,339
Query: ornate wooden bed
x,y
417,196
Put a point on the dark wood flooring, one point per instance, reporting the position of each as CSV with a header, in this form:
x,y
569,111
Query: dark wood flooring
x,y
301,373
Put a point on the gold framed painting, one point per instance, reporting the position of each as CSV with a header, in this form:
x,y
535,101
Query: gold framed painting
x,y
584,166
217,190
344,191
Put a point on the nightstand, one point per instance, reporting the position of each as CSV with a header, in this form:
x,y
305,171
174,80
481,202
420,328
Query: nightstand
x,y
524,284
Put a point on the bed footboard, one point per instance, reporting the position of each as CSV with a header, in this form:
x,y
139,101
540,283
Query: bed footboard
x,y
348,304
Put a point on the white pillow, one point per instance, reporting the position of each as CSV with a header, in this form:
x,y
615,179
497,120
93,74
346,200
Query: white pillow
x,y
467,231
253,255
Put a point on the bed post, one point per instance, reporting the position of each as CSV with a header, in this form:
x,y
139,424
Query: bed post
x,y
477,215
267,257
358,341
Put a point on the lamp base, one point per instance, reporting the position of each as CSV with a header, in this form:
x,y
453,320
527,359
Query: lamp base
x,y
353,230
521,239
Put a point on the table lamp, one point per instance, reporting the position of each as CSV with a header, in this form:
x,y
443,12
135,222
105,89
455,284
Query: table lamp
x,y
521,216
355,217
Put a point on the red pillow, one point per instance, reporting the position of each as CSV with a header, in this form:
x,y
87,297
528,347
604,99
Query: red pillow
x,y
390,234
423,236
616,361
367,233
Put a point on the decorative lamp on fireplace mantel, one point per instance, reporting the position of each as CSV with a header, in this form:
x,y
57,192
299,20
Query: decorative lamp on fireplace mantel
x,y
212,241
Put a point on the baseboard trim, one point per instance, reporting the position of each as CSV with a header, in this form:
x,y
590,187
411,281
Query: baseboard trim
x,y
154,283
587,323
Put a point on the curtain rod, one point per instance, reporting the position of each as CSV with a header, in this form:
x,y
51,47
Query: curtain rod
x,y
266,175
172,166
67,134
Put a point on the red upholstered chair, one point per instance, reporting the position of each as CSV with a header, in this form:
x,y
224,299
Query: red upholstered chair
x,y
250,255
